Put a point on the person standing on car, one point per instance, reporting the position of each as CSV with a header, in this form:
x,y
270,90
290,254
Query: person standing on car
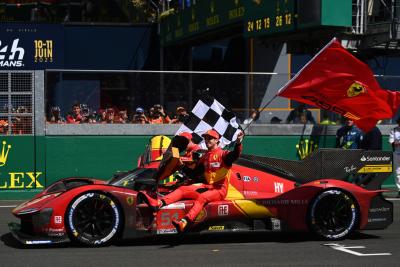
x,y
394,139
215,165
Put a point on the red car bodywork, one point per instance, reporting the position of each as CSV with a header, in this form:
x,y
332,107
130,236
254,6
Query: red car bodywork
x,y
257,199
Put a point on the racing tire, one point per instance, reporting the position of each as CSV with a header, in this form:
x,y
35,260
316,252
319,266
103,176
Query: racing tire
x,y
93,219
333,215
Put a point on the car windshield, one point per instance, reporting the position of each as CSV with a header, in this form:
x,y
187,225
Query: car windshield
x,y
130,178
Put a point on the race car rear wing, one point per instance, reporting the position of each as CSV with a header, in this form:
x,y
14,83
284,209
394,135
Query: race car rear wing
x,y
368,168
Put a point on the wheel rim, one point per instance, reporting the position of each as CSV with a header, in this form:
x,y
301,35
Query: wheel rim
x,y
94,219
333,214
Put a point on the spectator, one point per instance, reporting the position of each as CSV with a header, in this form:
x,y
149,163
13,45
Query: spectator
x,y
22,124
254,116
372,140
102,116
394,139
123,117
3,126
110,113
158,115
349,136
139,117
75,117
55,115
300,115
181,115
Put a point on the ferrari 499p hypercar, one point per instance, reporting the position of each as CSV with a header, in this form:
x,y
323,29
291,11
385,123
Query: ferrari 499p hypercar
x,y
331,194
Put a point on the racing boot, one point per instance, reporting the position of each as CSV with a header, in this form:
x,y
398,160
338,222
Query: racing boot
x,y
181,225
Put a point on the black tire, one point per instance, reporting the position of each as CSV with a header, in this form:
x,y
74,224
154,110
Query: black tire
x,y
93,219
333,215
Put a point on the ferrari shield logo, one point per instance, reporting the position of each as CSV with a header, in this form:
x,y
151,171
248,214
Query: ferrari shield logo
x,y
355,89
129,200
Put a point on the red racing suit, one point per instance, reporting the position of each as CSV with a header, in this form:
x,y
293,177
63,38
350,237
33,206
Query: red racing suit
x,y
215,165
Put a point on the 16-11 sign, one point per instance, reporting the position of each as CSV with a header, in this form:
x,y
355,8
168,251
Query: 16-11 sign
x,y
272,16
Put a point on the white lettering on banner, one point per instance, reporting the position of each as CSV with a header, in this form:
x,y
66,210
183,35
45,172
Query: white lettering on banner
x,y
11,60
278,187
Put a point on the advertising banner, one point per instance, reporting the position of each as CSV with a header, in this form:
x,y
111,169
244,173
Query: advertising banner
x,y
31,46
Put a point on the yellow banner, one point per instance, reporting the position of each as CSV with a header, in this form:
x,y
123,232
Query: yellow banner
x,y
376,168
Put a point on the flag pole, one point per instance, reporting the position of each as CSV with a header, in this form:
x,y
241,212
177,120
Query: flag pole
x,y
262,109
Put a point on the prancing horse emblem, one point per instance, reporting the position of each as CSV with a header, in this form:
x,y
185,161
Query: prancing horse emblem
x,y
355,89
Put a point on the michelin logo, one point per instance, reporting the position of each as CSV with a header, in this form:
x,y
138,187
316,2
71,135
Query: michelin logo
x,y
368,158
8,56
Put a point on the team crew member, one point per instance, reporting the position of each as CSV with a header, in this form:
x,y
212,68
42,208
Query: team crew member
x,y
215,166
394,139
349,136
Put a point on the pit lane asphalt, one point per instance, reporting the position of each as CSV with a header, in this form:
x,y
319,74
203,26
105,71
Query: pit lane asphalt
x,y
255,249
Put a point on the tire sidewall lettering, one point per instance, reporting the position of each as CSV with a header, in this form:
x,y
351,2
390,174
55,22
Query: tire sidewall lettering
x,y
348,229
82,238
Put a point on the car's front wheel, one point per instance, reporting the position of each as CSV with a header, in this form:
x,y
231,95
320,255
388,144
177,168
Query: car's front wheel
x,y
333,215
93,219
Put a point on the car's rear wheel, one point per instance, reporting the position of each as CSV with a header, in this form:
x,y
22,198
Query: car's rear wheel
x,y
93,219
333,215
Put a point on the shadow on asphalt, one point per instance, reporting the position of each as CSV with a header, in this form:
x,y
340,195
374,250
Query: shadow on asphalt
x,y
223,238
208,238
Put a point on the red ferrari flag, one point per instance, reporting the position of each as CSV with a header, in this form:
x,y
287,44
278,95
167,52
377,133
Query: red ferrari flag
x,y
337,81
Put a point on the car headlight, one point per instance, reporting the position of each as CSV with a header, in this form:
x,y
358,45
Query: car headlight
x,y
27,211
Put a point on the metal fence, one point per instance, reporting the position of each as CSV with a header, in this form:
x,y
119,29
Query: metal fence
x,y
16,103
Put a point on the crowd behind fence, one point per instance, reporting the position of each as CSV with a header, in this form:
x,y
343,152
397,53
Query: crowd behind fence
x,y
145,97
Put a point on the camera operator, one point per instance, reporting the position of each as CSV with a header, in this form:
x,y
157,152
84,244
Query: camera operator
x,y
158,115
55,115
181,115
139,116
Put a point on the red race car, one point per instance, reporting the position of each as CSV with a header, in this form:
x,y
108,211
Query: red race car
x,y
331,194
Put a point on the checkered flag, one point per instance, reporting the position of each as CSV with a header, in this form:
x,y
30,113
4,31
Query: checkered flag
x,y
210,114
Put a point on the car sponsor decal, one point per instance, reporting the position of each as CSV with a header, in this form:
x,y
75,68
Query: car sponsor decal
x,y
246,178
369,158
223,210
349,169
58,219
278,187
216,228
167,231
376,168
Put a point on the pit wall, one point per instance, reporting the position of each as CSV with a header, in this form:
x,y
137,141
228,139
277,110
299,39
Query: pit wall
x,y
34,162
